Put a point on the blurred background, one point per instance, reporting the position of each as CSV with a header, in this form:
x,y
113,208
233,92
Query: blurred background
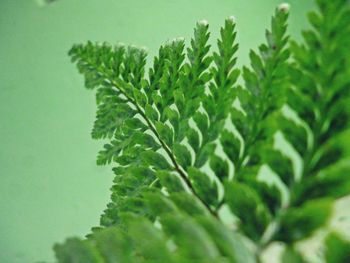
x,y
50,186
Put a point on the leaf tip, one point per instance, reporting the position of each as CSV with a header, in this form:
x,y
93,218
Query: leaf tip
x,y
203,22
284,7
232,19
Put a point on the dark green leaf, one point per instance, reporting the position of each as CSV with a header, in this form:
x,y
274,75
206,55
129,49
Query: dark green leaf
x,y
165,133
219,166
155,159
170,181
247,205
182,154
300,222
337,249
204,187
151,113
231,145
193,139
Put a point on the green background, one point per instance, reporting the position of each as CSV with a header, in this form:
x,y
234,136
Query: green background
x,y
50,187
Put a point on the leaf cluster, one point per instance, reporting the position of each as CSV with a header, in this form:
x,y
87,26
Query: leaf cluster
x,y
189,141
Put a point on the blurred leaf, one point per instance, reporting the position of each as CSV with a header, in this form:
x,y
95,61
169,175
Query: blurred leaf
x,y
290,255
77,251
247,205
300,222
171,181
219,166
337,249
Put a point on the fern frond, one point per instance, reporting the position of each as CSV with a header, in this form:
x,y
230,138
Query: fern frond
x,y
317,78
188,141
265,85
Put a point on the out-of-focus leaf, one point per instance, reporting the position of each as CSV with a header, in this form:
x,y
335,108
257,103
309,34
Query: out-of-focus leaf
x,y
337,249
300,222
247,205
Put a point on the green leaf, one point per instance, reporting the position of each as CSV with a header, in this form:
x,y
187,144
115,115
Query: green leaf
x,y
337,249
125,87
303,105
202,121
300,222
279,163
170,181
106,156
239,119
149,241
179,100
165,132
182,154
256,64
188,204
229,243
206,189
290,255
336,149
185,232
231,145
109,110
219,166
145,140
203,156
151,113
113,245
247,205
127,191
295,134
135,123
140,98
173,116
252,81
160,204
193,139
333,181
155,159
269,193
75,250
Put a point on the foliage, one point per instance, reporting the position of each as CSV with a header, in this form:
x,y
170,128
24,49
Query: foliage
x,y
189,141
337,248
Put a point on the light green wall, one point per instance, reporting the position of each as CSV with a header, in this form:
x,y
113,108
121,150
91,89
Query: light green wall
x,y
50,187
